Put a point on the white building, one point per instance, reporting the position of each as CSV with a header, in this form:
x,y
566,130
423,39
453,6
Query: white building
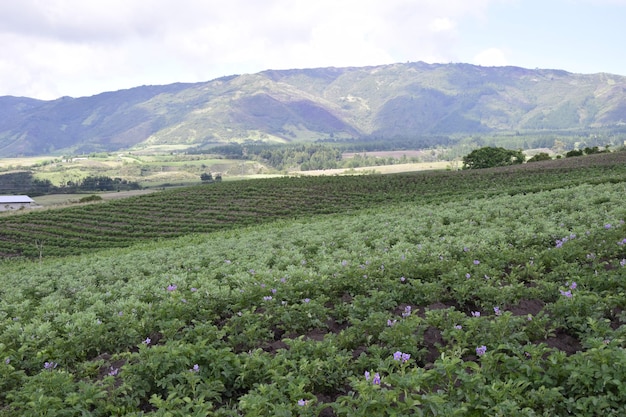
x,y
16,202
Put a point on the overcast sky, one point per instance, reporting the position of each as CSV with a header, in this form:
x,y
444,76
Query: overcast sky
x,y
53,48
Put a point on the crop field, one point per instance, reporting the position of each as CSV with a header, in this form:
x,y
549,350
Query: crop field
x,y
150,170
496,292
219,206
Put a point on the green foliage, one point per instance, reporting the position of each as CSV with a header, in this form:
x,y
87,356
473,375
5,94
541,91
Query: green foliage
x,y
90,199
489,157
25,183
374,311
227,205
587,151
542,156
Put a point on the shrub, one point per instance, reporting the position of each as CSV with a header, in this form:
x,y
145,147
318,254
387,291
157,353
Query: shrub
x,y
90,199
540,157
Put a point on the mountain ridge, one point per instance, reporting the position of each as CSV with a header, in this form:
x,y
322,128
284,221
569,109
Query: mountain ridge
x,y
408,99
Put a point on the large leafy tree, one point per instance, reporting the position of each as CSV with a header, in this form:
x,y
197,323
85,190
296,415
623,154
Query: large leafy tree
x,y
489,157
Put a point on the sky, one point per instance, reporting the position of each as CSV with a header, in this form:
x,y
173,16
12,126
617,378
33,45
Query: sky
x,y
77,48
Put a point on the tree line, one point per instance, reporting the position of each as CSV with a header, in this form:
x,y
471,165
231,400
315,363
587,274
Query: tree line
x,y
25,183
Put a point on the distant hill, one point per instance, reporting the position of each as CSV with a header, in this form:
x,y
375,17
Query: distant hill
x,y
409,99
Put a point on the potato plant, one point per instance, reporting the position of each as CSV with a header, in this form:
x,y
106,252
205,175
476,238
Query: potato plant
x,y
501,304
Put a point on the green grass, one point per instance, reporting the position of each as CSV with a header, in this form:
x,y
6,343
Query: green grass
x,y
286,313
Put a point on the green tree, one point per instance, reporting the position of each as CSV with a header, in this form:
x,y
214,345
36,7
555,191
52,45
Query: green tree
x,y
489,157
540,157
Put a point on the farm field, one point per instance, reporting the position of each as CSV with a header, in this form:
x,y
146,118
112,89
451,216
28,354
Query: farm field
x,y
490,292
381,169
148,169
218,206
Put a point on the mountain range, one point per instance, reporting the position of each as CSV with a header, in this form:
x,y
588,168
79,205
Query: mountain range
x,y
398,100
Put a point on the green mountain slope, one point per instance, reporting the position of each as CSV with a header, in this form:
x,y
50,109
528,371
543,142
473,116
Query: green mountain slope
x,y
293,105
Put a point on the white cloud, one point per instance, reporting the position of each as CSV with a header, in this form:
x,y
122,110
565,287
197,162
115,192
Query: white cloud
x,y
78,47
442,24
492,57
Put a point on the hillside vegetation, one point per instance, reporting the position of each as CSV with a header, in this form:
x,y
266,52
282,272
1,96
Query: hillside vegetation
x,y
483,292
217,206
402,100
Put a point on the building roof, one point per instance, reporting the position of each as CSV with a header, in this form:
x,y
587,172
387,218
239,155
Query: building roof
x,y
11,199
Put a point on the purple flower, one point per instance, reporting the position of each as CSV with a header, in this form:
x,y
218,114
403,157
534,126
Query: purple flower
x,y
50,365
273,290
475,313
480,351
623,262
194,289
468,275
497,311
7,361
195,368
227,261
367,375
567,293
391,322
302,403
172,287
307,300
530,317
573,286
607,226
458,327
344,263
113,371
407,311
476,262
267,298
399,356
402,279
147,341
376,380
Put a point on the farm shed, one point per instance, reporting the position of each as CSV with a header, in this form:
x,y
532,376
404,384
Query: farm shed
x,y
15,202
